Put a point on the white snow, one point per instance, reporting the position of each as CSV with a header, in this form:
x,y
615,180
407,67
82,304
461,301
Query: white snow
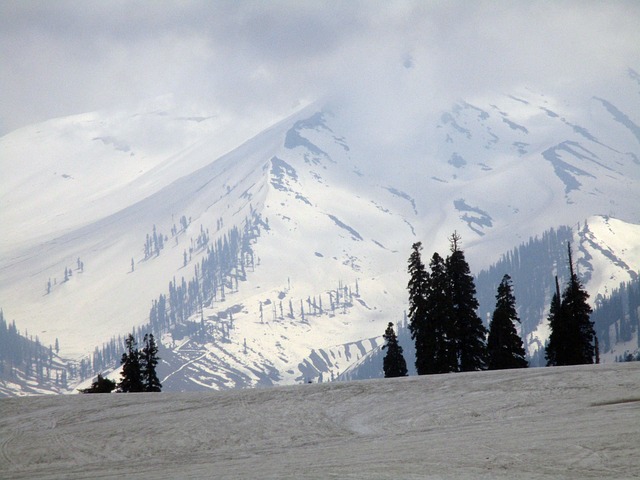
x,y
563,422
92,186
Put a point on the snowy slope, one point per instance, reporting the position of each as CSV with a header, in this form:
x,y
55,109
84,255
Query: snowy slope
x,y
564,422
334,221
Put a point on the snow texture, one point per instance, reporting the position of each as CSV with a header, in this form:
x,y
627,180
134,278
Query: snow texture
x,y
564,422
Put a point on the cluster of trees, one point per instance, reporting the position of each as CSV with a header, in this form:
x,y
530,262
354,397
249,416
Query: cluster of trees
x,y
138,370
450,337
219,272
154,243
26,357
616,317
184,223
448,333
68,273
223,265
528,266
340,298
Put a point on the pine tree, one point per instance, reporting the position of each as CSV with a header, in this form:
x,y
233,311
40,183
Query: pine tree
x,y
469,330
100,385
577,313
440,337
557,339
131,375
148,362
504,346
572,340
417,286
394,364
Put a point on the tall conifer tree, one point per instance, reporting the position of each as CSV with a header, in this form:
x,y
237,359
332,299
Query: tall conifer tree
x,y
576,310
504,345
418,278
440,341
469,331
131,377
394,364
556,344
572,340
148,361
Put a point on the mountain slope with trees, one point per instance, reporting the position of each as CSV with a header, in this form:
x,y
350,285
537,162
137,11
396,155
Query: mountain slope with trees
x,y
307,296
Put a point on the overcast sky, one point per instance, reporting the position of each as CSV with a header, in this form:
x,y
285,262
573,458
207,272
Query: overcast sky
x,y
64,57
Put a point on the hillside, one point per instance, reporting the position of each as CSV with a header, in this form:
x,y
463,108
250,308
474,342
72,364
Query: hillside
x,y
278,250
564,422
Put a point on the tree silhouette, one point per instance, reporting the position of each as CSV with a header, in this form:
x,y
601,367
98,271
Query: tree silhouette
x,y
394,364
440,343
469,331
417,286
100,385
148,362
573,339
504,346
131,376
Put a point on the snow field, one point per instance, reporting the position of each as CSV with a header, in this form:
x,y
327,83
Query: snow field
x,y
565,422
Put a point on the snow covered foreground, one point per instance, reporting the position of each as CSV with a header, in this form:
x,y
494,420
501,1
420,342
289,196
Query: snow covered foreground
x,y
548,423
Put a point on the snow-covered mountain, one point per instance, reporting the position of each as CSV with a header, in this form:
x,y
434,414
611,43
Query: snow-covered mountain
x,y
105,210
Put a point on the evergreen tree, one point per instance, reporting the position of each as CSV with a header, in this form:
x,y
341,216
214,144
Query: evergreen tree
x,y
469,330
558,336
148,362
131,375
572,340
577,313
394,364
440,336
417,286
504,346
100,385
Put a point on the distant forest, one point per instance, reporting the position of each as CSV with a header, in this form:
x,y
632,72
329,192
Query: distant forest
x,y
532,267
617,319
223,266
25,360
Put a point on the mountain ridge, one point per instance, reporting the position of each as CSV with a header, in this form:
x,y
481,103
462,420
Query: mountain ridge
x,y
330,215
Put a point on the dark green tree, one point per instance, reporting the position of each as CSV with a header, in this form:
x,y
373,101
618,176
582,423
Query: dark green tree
x,y
469,331
131,375
394,364
100,385
557,341
417,286
148,362
504,345
440,336
577,313
572,340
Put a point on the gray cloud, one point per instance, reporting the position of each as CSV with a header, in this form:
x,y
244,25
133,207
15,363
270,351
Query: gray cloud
x,y
396,60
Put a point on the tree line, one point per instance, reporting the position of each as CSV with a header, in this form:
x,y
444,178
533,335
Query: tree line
x,y
138,370
23,357
529,266
449,335
617,318
222,266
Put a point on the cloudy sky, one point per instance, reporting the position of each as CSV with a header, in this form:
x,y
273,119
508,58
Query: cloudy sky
x,y
64,57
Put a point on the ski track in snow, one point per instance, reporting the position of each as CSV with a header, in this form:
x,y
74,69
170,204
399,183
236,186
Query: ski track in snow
x,y
564,422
